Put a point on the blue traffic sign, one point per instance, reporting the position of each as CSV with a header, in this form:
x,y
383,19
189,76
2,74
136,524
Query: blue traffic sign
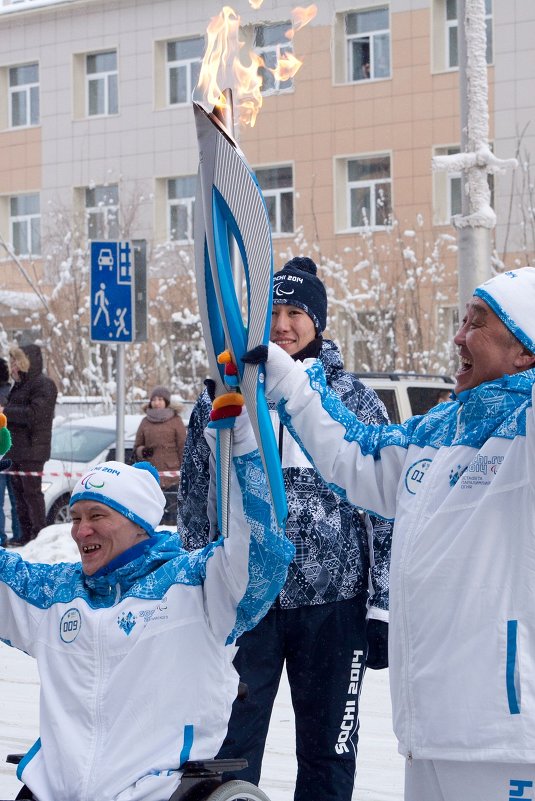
x,y
111,292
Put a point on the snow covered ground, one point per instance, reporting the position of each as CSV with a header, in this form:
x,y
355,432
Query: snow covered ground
x,y
380,768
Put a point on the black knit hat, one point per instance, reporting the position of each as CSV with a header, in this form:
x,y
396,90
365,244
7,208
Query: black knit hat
x,y
297,284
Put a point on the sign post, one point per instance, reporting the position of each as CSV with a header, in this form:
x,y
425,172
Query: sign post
x,y
112,315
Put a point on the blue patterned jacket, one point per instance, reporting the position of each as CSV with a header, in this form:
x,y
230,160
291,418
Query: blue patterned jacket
x,y
338,549
136,661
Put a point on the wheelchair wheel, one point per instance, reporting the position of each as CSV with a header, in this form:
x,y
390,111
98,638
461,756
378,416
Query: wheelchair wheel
x,y
237,791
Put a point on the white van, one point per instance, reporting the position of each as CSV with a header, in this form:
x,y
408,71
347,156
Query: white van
x,y
408,394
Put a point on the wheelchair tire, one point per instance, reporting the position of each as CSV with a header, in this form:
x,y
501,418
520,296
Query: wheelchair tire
x,y
237,791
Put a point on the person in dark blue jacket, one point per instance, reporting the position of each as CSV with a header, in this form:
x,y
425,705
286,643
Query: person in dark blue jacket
x,y
325,626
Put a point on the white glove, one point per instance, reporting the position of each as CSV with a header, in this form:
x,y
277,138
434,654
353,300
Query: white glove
x,y
243,440
278,367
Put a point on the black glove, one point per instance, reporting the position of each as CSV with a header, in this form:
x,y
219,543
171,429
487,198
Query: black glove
x,y
377,636
147,453
257,355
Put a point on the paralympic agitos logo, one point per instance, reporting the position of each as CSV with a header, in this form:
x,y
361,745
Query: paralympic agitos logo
x,y
281,282
90,482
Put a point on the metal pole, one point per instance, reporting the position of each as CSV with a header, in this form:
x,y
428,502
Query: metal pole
x,y
474,240
120,401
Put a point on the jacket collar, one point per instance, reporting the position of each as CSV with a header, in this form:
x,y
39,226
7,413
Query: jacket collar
x,y
135,563
495,408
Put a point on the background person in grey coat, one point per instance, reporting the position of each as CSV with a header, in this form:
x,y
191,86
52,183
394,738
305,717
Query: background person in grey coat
x,y
30,411
318,626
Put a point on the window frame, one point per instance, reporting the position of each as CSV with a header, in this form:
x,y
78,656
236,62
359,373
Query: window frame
x,y
188,202
277,193
103,76
103,210
25,89
177,63
372,184
371,35
284,46
450,24
27,218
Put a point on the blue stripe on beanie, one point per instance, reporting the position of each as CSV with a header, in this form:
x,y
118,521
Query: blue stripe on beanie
x,y
297,284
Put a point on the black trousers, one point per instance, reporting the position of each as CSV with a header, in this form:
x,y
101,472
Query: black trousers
x,y
30,501
324,648
171,500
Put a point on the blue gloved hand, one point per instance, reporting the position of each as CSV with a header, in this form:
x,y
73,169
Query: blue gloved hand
x,y
377,636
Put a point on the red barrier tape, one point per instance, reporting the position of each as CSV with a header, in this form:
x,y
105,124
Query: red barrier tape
x,y
70,475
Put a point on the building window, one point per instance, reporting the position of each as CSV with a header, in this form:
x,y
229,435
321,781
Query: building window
x,y
102,211
447,189
368,44
278,190
24,95
25,224
184,58
452,31
180,207
369,193
101,76
448,322
271,42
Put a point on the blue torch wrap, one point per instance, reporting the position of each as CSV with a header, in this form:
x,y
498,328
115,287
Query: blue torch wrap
x,y
232,208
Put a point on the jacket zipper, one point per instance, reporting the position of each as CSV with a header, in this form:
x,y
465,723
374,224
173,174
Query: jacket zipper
x,y
100,671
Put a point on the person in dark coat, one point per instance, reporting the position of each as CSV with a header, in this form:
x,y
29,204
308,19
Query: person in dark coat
x,y
330,620
30,411
5,479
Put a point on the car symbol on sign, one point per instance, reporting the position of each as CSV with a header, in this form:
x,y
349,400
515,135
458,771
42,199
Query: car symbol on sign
x,y
105,258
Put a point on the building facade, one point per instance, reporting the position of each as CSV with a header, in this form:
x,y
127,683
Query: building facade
x,y
96,126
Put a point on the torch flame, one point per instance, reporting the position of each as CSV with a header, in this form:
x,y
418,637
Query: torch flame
x,y
287,66
255,4
301,17
223,69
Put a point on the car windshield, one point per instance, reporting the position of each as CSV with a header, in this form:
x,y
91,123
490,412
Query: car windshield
x,y
79,444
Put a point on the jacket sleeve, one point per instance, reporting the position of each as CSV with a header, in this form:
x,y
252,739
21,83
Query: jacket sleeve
x,y
193,521
371,410
247,570
380,545
26,590
139,442
40,408
140,435
180,439
363,462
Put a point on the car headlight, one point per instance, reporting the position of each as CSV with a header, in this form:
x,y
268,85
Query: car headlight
x,y
45,485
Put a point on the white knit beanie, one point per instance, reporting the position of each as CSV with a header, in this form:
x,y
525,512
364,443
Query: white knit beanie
x,y
511,296
132,490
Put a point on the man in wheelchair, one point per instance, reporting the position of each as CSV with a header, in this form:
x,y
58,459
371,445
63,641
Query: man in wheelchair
x,y
134,643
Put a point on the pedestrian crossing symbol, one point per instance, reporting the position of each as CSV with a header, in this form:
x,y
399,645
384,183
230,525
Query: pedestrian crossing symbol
x,y
111,292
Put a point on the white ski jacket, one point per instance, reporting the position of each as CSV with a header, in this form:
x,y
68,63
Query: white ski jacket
x,y
460,482
136,664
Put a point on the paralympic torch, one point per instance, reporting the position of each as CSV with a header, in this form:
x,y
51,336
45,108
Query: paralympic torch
x,y
232,209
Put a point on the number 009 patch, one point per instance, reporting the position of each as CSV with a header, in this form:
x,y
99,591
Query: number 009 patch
x,y
70,625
